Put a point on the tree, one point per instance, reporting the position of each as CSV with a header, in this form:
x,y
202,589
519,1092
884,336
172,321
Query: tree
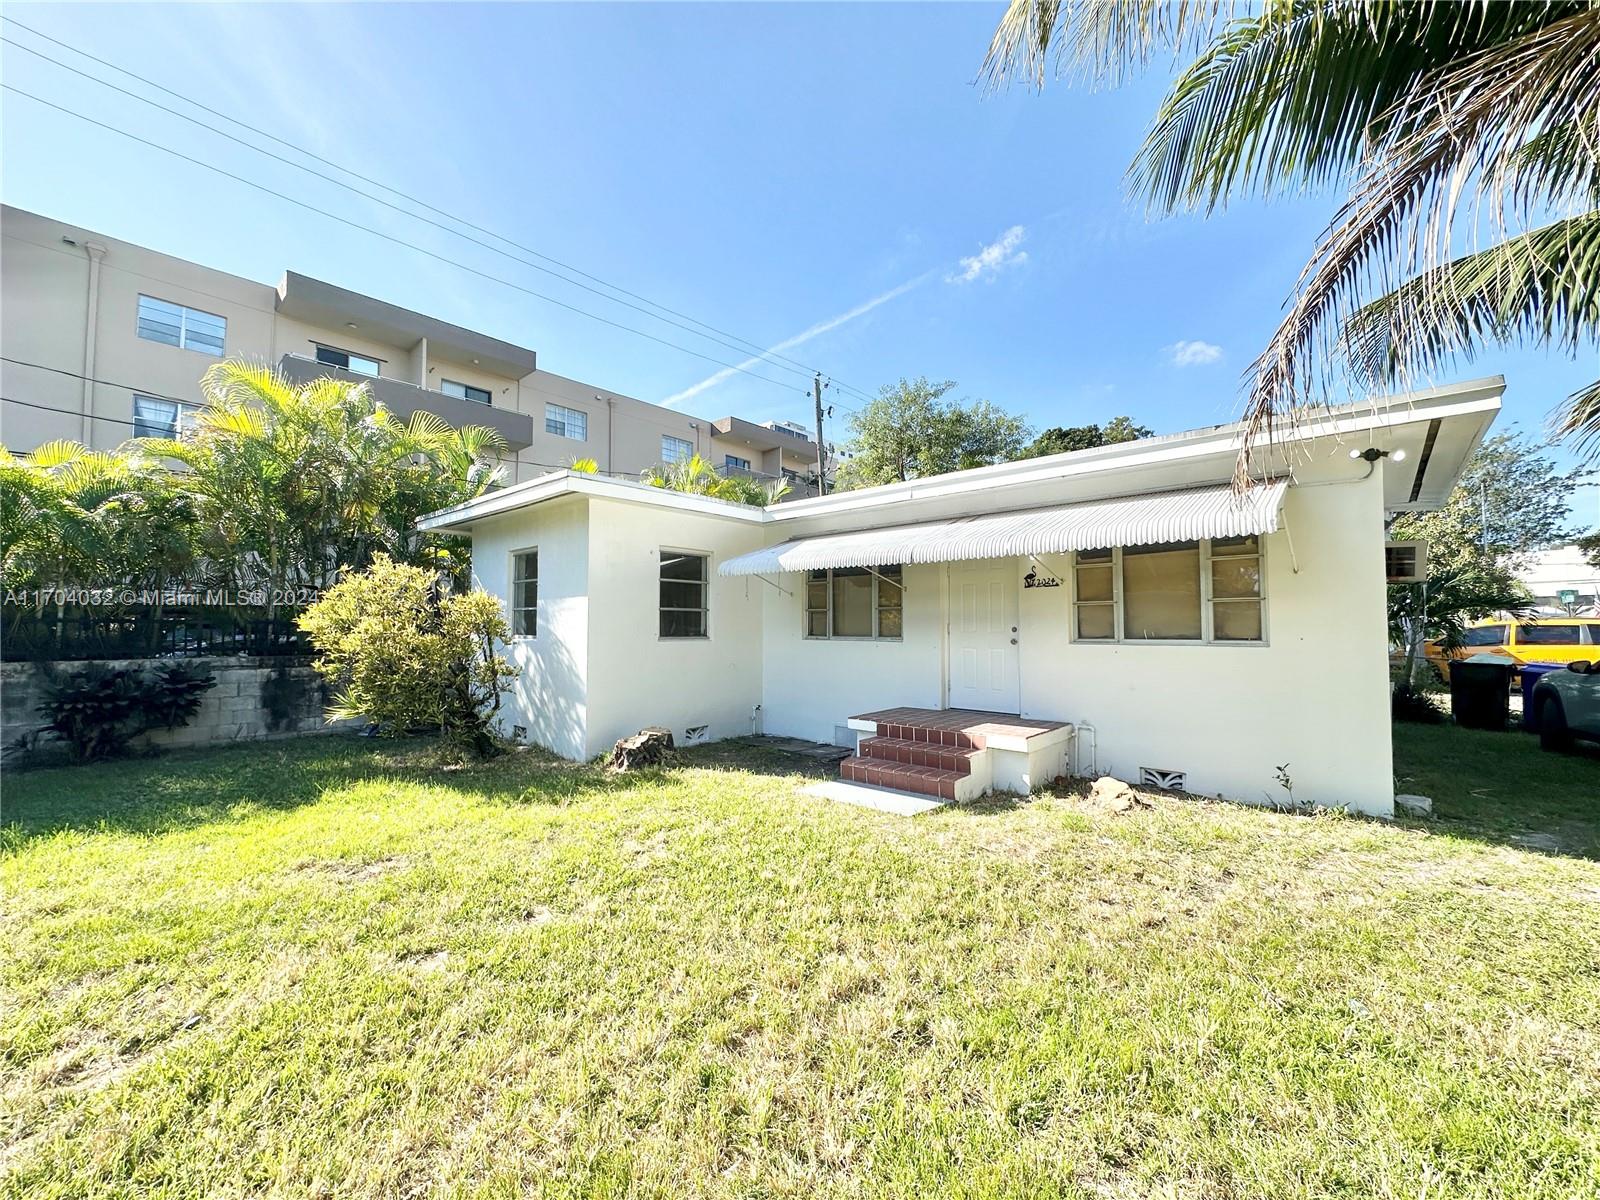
x,y
1463,124
1510,501
1064,439
1441,608
1589,543
295,484
408,654
911,431
697,477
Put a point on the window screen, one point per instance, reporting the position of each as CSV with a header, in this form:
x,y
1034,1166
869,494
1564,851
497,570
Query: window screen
x,y
683,594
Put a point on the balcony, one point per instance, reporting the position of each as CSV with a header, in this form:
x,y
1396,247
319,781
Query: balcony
x,y
403,399
800,486
759,437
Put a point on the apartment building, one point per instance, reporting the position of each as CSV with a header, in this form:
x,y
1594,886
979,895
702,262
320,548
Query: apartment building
x,y
104,340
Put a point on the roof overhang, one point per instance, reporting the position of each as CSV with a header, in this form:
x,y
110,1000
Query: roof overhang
x,y
1438,428
317,303
1142,520
1460,412
558,484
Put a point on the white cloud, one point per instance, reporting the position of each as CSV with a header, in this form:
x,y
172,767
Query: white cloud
x,y
816,330
993,258
1194,354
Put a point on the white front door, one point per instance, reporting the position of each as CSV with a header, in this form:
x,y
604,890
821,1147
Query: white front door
x,y
983,636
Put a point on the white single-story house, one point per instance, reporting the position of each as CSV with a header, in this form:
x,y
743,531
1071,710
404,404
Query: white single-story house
x,y
1120,610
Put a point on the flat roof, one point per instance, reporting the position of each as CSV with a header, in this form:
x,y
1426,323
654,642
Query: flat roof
x,y
565,482
1438,427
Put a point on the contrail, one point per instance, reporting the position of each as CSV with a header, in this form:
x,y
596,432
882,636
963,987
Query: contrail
x,y
815,331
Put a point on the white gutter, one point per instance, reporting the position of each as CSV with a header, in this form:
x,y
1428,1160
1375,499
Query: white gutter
x,y
581,483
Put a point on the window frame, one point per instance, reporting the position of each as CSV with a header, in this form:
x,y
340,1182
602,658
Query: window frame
x,y
877,577
184,312
466,392
377,363
735,462
663,554
565,421
1208,601
513,602
185,414
668,461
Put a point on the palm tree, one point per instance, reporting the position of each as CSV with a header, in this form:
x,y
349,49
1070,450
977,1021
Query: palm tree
x,y
1471,131
74,517
298,482
1441,609
698,477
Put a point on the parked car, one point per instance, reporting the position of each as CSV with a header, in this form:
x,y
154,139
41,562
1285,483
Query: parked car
x,y
1533,639
1568,705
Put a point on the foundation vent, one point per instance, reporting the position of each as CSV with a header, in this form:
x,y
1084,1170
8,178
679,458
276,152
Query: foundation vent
x,y
696,734
1161,777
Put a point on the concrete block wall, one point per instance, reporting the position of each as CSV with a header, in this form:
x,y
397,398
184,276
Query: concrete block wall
x,y
238,708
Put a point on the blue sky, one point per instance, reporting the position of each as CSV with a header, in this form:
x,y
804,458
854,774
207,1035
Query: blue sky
x,y
769,169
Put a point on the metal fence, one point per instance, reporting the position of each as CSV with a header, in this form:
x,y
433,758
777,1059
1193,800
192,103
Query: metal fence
x,y
78,632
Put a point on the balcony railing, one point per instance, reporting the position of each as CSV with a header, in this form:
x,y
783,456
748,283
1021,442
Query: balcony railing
x,y
403,399
799,485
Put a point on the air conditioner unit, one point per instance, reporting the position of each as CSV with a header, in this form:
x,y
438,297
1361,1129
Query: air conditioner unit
x,y
1405,562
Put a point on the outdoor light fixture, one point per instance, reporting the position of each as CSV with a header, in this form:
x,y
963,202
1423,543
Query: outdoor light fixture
x,y
1372,454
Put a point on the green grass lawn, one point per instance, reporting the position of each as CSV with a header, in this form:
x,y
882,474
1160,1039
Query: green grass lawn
x,y
323,968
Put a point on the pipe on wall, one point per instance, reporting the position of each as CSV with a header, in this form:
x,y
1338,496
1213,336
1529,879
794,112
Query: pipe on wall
x,y
91,325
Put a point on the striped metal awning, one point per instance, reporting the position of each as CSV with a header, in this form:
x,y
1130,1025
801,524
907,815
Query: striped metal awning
x,y
1142,520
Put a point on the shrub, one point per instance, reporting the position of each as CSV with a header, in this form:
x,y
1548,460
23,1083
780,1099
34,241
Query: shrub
x,y
408,654
1415,705
99,710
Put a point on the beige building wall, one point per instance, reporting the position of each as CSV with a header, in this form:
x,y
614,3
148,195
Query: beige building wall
x,y
69,301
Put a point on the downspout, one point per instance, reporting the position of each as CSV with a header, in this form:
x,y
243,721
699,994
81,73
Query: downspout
x,y
611,420
91,326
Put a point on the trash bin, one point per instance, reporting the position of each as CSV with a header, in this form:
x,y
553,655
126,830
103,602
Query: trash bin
x,y
1480,691
1530,674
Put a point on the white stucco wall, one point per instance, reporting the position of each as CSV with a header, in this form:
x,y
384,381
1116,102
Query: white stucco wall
x,y
814,685
1314,697
638,678
549,698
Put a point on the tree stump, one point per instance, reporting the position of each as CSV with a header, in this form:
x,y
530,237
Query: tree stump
x,y
647,748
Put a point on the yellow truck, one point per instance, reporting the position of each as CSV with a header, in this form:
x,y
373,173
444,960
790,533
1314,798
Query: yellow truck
x,y
1532,639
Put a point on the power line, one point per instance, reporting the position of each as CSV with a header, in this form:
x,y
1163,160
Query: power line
x,y
513,460
440,225
20,362
760,352
785,384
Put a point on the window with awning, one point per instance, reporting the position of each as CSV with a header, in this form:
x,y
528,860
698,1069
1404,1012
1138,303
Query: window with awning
x,y
1148,519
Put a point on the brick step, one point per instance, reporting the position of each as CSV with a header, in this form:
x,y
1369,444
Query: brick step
x,y
902,777
934,730
918,754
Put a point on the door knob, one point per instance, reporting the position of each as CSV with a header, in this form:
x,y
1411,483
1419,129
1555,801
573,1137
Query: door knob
x,y
1013,641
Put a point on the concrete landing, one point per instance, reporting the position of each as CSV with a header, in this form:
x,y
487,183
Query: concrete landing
x,y
901,804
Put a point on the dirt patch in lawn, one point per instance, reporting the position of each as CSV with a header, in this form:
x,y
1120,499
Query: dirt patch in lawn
x,y
354,872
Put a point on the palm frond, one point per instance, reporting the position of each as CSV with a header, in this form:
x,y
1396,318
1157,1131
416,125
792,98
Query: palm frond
x,y
1482,124
1299,93
1579,419
1101,41
1537,287
55,453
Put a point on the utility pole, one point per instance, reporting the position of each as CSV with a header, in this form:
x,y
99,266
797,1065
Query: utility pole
x,y
822,477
